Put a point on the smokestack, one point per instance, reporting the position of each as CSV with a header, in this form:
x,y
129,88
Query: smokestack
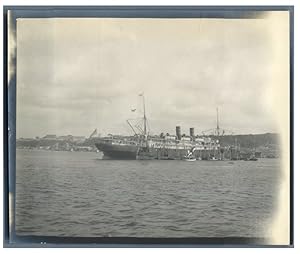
x,y
192,132
178,132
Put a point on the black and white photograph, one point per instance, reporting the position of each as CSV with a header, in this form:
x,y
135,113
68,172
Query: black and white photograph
x,y
162,128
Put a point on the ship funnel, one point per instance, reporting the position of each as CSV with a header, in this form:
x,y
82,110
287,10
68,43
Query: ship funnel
x,y
192,132
178,132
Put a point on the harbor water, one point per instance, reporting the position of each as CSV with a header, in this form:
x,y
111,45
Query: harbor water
x,y
79,194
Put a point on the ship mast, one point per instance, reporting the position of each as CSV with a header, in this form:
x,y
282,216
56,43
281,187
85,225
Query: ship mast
x,y
218,127
145,119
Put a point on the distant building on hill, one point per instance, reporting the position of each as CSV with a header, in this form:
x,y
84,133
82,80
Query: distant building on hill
x,y
78,139
49,137
68,138
65,138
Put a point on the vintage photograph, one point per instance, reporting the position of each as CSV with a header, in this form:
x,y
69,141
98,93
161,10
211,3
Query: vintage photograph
x,y
154,127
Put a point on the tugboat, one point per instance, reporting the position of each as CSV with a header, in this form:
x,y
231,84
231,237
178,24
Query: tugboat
x,y
190,156
190,159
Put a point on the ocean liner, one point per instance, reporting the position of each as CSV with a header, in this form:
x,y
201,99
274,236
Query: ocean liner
x,y
142,145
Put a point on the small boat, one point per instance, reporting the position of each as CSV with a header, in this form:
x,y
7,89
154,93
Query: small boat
x,y
190,156
253,159
190,159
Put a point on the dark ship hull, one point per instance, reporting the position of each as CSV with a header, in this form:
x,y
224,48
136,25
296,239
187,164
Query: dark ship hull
x,y
124,152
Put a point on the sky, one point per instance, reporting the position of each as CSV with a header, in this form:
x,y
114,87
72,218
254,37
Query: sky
x,y
75,75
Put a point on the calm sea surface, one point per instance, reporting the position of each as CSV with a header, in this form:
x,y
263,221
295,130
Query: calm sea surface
x,y
78,194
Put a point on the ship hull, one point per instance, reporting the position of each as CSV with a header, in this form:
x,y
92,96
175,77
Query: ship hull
x,y
125,152
130,152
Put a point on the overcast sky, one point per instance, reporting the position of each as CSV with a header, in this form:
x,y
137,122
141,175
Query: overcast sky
x,y
75,75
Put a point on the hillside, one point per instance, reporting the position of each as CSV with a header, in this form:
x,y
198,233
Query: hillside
x,y
250,140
